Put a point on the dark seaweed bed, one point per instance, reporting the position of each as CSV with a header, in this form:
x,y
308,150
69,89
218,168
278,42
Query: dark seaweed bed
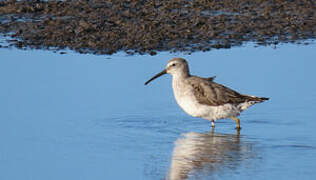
x,y
140,26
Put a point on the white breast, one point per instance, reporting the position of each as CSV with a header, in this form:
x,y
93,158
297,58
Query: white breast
x,y
184,96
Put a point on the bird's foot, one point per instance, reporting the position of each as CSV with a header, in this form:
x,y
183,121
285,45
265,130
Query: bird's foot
x,y
238,128
237,122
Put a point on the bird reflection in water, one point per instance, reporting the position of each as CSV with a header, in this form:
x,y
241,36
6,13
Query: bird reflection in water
x,y
203,154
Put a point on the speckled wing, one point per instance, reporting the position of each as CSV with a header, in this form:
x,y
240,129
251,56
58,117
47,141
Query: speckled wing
x,y
213,94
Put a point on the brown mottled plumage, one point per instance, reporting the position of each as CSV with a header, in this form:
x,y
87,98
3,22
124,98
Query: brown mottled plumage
x,y
213,94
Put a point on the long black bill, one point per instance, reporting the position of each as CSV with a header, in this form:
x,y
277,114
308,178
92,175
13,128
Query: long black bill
x,y
156,76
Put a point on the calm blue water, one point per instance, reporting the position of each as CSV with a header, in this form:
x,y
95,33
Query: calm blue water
x,y
88,117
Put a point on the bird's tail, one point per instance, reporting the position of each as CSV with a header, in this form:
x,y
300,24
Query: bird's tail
x,y
251,100
256,99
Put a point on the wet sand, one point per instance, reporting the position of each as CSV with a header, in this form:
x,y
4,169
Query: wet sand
x,y
145,27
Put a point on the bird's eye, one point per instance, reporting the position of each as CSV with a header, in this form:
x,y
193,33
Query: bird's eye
x,y
173,64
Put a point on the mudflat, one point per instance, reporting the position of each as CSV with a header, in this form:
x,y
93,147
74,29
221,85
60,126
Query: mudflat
x,y
140,26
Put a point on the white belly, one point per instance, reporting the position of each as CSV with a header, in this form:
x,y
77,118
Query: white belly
x,y
191,106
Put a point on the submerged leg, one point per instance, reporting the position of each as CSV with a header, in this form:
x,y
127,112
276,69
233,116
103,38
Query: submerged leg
x,y
237,121
213,124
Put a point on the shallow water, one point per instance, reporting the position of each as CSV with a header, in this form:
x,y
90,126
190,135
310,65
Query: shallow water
x,y
79,116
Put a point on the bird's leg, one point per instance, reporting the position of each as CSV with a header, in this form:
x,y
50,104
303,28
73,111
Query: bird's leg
x,y
237,121
213,124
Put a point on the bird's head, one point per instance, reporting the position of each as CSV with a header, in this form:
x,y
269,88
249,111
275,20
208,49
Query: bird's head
x,y
175,67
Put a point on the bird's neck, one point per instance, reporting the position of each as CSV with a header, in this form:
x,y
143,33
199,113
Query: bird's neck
x,y
180,76
178,84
